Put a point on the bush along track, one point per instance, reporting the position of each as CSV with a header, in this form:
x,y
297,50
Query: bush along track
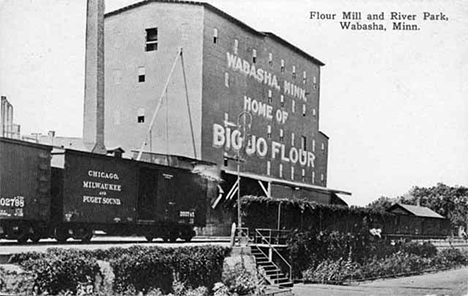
x,y
338,258
135,270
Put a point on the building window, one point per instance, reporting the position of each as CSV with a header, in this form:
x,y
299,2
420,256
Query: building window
x,y
303,109
281,171
292,139
151,39
269,132
303,175
141,115
314,112
322,177
254,56
270,95
282,66
270,59
293,105
313,177
281,136
226,79
294,72
292,173
323,146
313,145
282,100
315,82
141,74
303,143
268,168
304,77
215,35
236,45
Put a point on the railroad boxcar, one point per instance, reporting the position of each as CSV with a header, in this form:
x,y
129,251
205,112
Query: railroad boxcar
x,y
124,197
83,192
25,175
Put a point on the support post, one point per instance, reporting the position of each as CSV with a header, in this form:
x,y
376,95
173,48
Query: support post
x,y
150,127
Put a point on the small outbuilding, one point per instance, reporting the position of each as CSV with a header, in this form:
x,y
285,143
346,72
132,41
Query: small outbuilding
x,y
416,211
417,221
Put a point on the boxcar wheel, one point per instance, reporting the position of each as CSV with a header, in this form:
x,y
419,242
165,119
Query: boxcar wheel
x,y
87,236
187,238
35,237
22,238
61,235
149,237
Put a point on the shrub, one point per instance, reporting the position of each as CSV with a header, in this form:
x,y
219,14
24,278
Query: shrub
x,y
240,281
200,265
136,269
332,271
307,250
63,272
143,270
426,250
16,281
147,268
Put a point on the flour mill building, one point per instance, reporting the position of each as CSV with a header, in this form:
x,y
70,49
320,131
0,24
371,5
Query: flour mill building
x,y
238,80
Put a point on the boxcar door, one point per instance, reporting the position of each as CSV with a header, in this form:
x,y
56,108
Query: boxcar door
x,y
148,200
166,198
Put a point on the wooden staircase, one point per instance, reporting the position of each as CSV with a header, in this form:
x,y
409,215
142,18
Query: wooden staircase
x,y
269,270
264,249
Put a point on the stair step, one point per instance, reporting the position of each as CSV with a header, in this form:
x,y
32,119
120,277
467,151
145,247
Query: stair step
x,y
286,285
266,264
268,267
278,278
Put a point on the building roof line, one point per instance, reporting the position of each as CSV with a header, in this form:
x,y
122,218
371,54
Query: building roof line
x,y
225,15
325,135
285,182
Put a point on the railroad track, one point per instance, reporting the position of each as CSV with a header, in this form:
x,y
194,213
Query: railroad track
x,y
9,247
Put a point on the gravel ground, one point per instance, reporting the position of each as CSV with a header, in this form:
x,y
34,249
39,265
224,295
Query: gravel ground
x,y
452,282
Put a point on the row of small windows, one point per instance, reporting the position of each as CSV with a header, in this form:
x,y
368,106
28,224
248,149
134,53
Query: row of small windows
x,y
270,59
303,173
151,44
293,139
270,99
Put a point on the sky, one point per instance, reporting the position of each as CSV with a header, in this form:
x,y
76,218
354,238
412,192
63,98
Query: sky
x,y
394,103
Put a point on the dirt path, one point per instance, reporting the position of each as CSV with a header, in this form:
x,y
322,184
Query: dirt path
x,y
453,282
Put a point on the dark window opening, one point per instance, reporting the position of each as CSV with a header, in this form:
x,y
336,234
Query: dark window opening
x,y
225,162
141,119
141,78
303,143
151,39
215,35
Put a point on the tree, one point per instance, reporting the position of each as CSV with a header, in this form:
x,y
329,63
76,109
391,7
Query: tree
x,y
382,203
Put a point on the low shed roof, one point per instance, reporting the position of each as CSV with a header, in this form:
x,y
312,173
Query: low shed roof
x,y
414,210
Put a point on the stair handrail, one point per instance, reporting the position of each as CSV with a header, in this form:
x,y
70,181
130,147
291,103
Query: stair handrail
x,y
269,234
273,248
